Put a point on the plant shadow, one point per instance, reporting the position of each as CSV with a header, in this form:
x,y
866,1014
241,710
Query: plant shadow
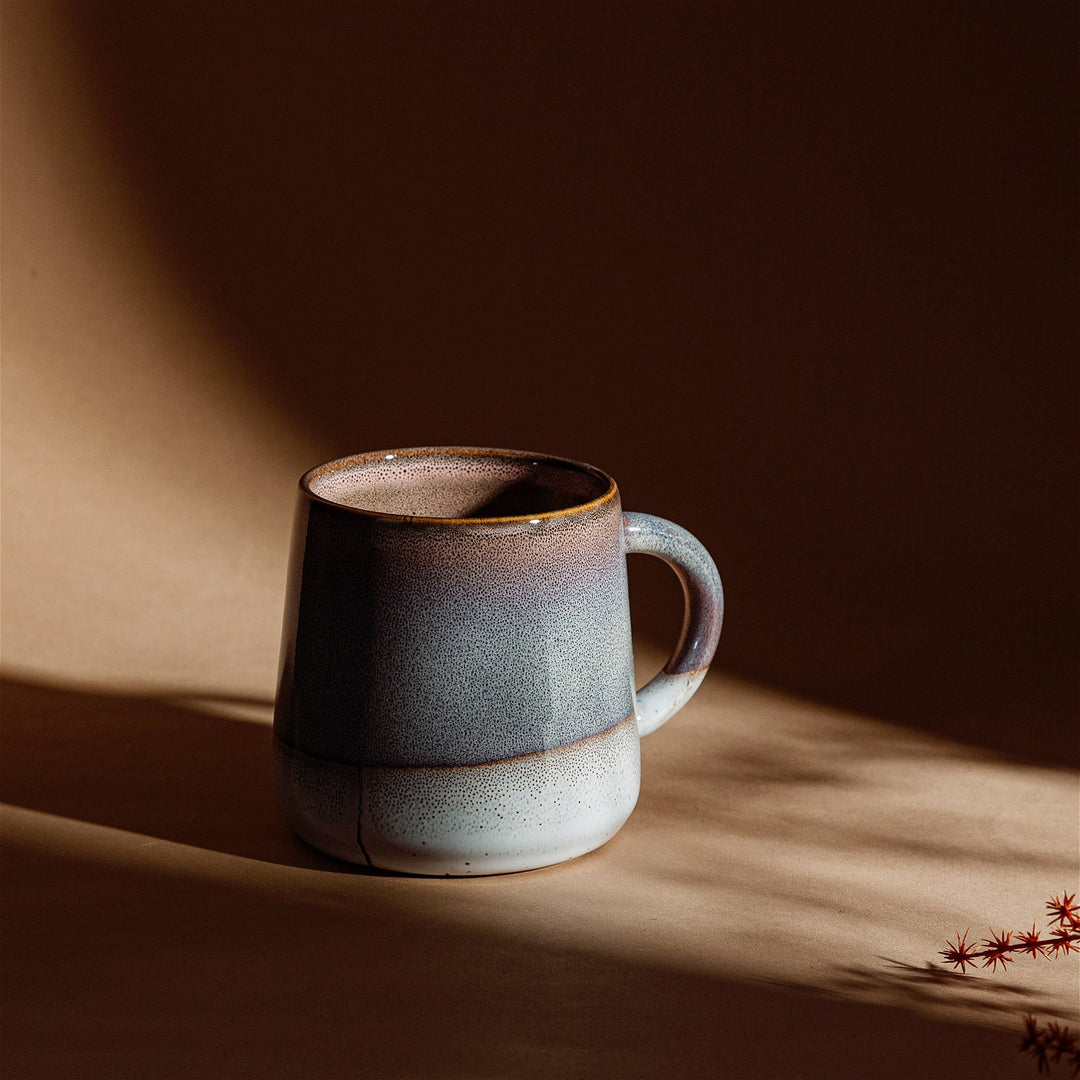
x,y
922,986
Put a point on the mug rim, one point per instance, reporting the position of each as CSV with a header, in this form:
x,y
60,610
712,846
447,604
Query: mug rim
x,y
368,456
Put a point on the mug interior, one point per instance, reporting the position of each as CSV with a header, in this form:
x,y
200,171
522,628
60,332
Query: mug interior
x,y
458,483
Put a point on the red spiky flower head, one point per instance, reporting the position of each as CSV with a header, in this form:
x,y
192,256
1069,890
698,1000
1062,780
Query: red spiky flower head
x,y
960,954
996,951
1062,940
1030,943
1064,910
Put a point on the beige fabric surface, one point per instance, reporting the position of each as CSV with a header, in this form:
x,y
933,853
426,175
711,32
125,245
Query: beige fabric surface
x,y
773,908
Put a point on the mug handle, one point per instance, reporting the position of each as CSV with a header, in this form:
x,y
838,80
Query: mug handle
x,y
662,697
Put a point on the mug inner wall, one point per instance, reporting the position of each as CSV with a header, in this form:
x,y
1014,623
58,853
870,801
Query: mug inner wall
x,y
459,485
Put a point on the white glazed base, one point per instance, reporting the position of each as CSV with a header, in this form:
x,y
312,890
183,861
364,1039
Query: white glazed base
x,y
493,818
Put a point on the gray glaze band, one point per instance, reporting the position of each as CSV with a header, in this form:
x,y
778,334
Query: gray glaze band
x,y
457,685
429,644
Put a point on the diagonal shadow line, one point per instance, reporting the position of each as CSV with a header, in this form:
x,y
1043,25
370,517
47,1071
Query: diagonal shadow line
x,y
148,765
219,697
167,766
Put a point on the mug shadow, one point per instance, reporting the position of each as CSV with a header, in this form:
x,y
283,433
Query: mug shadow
x,y
177,769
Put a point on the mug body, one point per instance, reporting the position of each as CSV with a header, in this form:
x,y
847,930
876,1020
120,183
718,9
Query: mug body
x,y
457,685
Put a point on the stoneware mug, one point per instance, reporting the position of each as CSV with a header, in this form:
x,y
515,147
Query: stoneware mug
x,y
457,681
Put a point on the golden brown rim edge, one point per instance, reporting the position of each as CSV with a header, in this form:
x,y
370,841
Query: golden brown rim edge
x,y
457,451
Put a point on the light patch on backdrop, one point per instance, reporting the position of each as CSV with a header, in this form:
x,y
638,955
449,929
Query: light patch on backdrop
x,y
148,484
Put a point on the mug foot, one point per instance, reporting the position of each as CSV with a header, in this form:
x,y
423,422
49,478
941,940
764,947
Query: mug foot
x,y
461,820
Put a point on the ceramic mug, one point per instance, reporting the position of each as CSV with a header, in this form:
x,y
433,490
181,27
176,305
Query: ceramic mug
x,y
457,680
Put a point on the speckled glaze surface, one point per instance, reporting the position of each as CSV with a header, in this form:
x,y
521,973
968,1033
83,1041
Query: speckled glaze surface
x,y
457,687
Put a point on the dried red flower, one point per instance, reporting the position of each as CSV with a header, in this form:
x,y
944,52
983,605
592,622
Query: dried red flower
x,y
1063,940
997,950
1054,1043
1031,943
1064,910
961,954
